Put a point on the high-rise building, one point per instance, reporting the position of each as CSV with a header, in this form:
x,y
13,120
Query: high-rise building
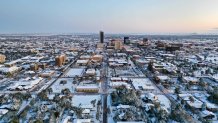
x,y
2,58
34,67
126,40
60,60
118,45
101,36
145,40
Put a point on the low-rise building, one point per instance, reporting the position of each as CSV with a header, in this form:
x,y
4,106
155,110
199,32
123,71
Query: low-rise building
x,y
10,70
143,84
97,58
190,80
87,88
25,84
82,62
47,73
90,72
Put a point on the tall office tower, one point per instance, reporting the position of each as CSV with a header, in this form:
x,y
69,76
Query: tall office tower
x,y
101,36
126,40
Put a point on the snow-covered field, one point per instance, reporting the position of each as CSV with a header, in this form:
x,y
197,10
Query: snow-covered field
x,y
57,87
164,101
84,100
74,72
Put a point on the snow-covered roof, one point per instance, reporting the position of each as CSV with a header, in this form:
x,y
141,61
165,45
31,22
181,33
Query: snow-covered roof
x,y
190,79
169,55
86,111
163,78
3,111
99,56
143,83
87,87
119,79
29,72
117,84
9,69
184,95
82,61
13,62
85,56
82,121
26,83
215,76
211,105
48,71
207,113
123,106
196,103
90,71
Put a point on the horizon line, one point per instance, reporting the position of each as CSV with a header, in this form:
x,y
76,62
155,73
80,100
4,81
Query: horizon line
x,y
109,33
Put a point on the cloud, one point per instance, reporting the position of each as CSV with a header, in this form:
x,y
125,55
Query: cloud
x,y
216,28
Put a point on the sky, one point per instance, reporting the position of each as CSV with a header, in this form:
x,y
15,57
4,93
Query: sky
x,y
111,16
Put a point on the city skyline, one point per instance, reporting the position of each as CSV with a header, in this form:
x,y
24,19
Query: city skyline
x,y
144,17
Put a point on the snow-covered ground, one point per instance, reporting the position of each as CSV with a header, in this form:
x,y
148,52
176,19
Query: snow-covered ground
x,y
164,101
128,72
73,72
212,58
84,100
57,87
111,115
